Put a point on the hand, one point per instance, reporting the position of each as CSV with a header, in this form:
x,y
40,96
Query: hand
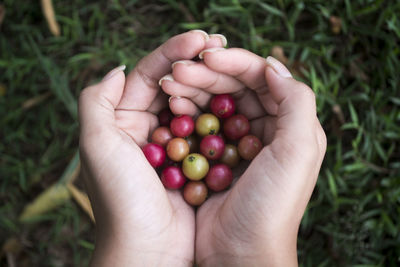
x,y
138,222
255,223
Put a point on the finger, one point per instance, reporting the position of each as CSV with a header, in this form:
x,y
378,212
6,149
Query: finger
x,y
244,66
200,97
239,63
296,109
264,128
97,103
142,83
197,75
159,103
181,105
216,40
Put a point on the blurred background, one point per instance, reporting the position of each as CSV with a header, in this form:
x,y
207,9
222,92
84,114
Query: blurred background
x,y
347,51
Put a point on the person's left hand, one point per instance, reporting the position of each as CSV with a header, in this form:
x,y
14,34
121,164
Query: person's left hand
x,y
255,221
137,220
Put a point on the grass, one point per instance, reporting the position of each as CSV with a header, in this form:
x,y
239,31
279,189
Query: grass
x,y
354,215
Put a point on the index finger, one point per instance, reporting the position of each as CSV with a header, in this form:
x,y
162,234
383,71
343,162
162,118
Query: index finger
x,y
141,86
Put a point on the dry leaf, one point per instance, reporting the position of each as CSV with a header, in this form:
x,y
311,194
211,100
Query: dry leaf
x,y
336,24
82,199
278,53
357,72
48,10
2,14
3,89
12,245
35,100
55,195
295,68
339,113
52,197
188,16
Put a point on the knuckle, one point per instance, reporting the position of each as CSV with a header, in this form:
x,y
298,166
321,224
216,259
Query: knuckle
x,y
306,92
322,139
86,93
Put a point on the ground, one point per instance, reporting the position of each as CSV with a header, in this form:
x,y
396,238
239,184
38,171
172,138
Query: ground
x,y
347,51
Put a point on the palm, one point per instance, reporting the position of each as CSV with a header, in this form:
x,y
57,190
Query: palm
x,y
273,191
151,198
231,216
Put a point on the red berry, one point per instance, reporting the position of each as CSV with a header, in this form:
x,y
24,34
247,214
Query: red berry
x,y
155,154
182,126
249,146
231,156
165,116
172,177
212,147
219,177
236,127
195,193
177,149
223,106
162,135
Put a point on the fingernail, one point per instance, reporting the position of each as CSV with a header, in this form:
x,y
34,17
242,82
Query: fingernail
x,y
167,77
205,35
223,39
210,50
184,62
278,67
172,97
113,72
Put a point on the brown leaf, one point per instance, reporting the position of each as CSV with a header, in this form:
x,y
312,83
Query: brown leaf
x,y
3,90
188,16
339,113
11,249
295,68
278,53
2,13
49,199
31,102
336,24
357,72
48,10
82,199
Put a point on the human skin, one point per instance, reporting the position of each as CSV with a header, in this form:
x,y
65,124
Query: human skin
x,y
138,222
256,222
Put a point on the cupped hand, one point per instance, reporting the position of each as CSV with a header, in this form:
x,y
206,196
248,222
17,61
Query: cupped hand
x,y
137,220
255,223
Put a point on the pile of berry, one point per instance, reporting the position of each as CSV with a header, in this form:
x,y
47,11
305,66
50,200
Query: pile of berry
x,y
188,152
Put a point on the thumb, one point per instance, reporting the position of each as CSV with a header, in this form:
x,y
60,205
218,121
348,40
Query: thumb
x,y
296,105
97,103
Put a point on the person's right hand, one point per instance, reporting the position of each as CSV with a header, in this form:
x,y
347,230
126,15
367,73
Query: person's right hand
x,y
138,222
255,223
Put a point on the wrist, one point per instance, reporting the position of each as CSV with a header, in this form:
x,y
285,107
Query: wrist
x,y
271,258
113,254
273,250
114,249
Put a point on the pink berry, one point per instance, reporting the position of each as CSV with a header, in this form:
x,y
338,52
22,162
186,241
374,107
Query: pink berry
x,y
212,147
172,177
182,126
223,106
155,154
236,127
219,177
